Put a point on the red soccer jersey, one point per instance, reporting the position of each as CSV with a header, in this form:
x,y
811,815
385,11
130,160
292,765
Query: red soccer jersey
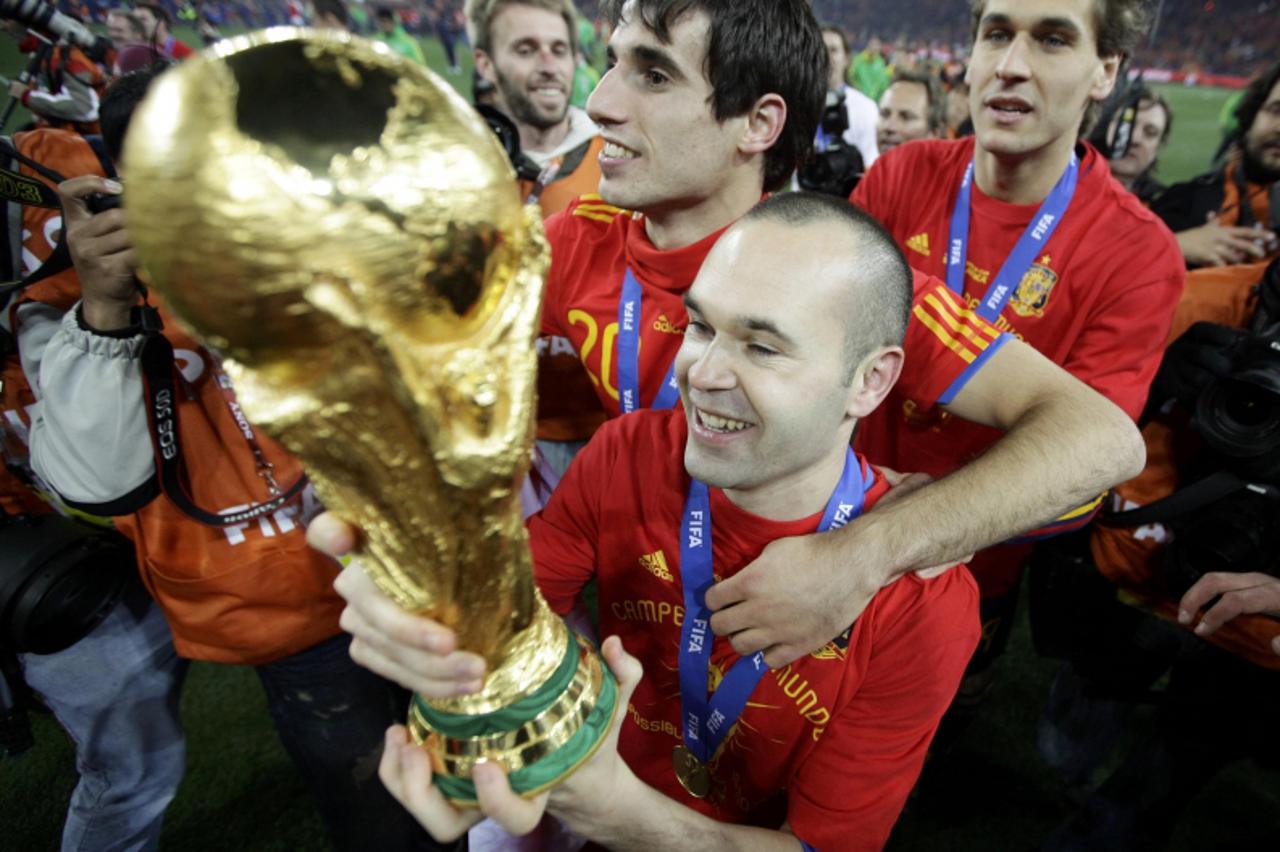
x,y
592,246
843,731
1099,301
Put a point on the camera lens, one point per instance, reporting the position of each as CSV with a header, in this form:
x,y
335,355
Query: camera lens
x,y
1239,417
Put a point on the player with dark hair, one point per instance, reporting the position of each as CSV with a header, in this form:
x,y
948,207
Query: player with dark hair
x,y
1030,231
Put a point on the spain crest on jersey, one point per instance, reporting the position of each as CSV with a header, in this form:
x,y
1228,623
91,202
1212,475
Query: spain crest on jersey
x,y
1033,291
836,649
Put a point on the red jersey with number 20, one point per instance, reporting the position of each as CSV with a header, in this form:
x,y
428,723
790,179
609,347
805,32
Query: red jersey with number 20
x,y
592,246
843,731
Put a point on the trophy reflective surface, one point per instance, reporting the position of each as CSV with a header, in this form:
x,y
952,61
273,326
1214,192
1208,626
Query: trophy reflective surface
x,y
340,225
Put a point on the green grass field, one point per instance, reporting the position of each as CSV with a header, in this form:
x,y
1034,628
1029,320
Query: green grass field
x,y
241,792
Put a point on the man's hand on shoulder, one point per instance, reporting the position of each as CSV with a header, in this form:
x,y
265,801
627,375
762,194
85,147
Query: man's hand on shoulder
x,y
101,251
801,593
797,596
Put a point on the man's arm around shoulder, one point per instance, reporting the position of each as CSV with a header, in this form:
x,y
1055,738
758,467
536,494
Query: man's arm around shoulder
x,y
1064,444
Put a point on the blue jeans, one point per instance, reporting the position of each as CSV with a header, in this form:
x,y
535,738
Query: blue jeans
x,y
116,694
331,716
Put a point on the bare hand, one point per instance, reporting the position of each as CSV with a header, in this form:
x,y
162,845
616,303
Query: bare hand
x,y
600,786
411,650
1212,244
797,596
101,251
1241,594
406,772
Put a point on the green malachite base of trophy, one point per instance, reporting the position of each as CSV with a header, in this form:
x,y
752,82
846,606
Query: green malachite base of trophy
x,y
540,738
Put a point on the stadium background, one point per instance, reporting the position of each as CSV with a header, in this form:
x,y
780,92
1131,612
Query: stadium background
x,y
241,792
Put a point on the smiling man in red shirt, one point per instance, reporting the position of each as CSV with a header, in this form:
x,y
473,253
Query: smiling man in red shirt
x,y
786,350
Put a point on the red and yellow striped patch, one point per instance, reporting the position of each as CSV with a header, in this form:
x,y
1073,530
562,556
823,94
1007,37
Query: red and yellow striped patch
x,y
958,327
593,207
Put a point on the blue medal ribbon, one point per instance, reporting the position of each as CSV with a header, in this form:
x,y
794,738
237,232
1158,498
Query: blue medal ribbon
x,y
1029,245
629,319
707,719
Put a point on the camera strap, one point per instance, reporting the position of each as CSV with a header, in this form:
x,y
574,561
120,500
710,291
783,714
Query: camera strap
x,y
158,367
548,174
33,192
1182,502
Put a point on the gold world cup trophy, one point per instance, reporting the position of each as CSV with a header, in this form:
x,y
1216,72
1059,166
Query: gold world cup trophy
x,y
340,225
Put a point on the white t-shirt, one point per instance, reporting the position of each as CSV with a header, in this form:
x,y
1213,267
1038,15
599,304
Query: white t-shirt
x,y
864,115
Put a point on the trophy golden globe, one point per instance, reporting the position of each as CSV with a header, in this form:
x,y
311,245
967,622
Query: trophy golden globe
x,y
341,226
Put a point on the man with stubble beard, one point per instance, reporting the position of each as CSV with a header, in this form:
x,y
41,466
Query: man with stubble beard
x,y
525,49
1231,215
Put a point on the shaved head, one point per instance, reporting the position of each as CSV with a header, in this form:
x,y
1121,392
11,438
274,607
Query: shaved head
x,y
877,279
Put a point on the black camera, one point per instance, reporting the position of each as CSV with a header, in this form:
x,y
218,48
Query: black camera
x,y
1238,533
58,580
39,15
1238,412
1238,415
835,166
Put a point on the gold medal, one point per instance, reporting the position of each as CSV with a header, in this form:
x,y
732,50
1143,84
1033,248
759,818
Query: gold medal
x,y
693,774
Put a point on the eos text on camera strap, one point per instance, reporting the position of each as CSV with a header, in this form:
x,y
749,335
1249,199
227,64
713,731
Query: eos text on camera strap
x,y
1024,253
158,367
707,719
629,318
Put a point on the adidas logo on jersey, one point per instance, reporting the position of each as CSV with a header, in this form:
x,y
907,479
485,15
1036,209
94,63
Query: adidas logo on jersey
x,y
919,244
656,564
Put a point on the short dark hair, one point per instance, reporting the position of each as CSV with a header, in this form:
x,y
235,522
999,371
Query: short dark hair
x,y
882,281
336,8
755,47
1254,97
1119,24
158,12
935,101
385,13
119,102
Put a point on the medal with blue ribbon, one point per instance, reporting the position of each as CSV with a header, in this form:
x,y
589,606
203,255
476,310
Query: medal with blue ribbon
x,y
629,319
707,719
1024,253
